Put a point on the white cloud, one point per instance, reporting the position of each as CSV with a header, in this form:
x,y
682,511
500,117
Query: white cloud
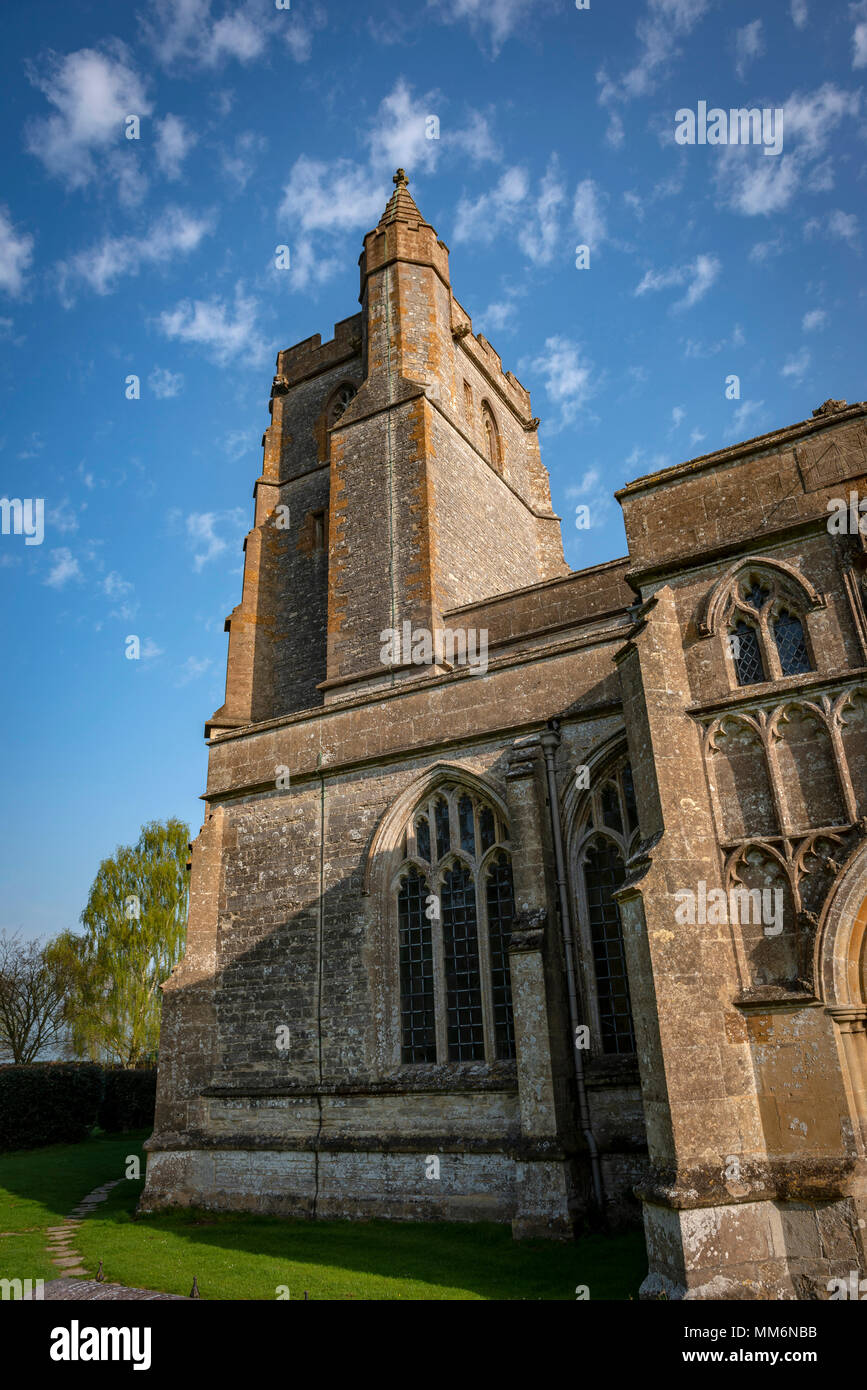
x,y
174,142
764,250
114,586
175,232
814,116
224,332
859,34
64,567
474,139
397,136
331,197
16,254
310,267
93,93
750,182
746,411
511,205
588,213
497,317
494,22
843,226
698,348
816,318
298,35
659,31
165,384
539,233
483,216
186,33
192,668
240,164
567,377
798,11
678,415
149,650
756,186
698,276
62,518
796,366
592,492
237,443
696,437
749,45
209,534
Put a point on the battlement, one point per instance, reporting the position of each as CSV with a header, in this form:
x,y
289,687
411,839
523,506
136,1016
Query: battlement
x,y
312,356
488,360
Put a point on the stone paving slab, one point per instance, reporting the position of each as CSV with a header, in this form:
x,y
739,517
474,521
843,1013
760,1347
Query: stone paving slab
x,y
74,1290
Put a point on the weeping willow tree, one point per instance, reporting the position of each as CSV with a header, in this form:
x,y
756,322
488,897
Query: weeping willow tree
x,y
134,927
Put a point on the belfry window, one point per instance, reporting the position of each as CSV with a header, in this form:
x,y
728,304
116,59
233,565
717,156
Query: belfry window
x,y
339,401
493,451
455,910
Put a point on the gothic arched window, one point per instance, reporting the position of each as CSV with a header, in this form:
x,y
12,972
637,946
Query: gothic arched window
x,y
339,401
493,451
766,638
607,832
455,908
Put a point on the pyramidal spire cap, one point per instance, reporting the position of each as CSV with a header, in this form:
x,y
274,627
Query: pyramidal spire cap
x,y
401,206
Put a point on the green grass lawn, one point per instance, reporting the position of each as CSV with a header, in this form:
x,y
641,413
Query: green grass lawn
x,y
251,1257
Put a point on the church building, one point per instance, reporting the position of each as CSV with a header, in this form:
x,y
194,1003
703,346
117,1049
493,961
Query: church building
x,y
522,894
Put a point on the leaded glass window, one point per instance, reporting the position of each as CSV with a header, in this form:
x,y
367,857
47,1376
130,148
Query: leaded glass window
x,y
603,873
747,654
606,834
466,1039
791,645
487,828
441,818
455,909
465,816
764,618
418,1038
501,914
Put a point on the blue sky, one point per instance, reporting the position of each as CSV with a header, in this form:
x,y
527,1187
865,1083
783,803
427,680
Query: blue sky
x,y
260,127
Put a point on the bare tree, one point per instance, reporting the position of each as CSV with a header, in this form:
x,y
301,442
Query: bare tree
x,y
33,989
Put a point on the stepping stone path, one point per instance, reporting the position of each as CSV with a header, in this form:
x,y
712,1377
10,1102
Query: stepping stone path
x,y
60,1238
68,1261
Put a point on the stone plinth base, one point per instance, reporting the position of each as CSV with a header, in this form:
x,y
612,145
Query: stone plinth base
x,y
363,1185
751,1250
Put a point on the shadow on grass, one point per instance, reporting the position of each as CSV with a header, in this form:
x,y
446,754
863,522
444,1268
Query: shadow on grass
x,y
242,1256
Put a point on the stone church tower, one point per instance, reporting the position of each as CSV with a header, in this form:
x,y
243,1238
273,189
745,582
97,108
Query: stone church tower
x,y
523,894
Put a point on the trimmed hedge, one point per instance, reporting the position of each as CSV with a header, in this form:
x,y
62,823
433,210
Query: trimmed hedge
x,y
61,1102
128,1100
48,1103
